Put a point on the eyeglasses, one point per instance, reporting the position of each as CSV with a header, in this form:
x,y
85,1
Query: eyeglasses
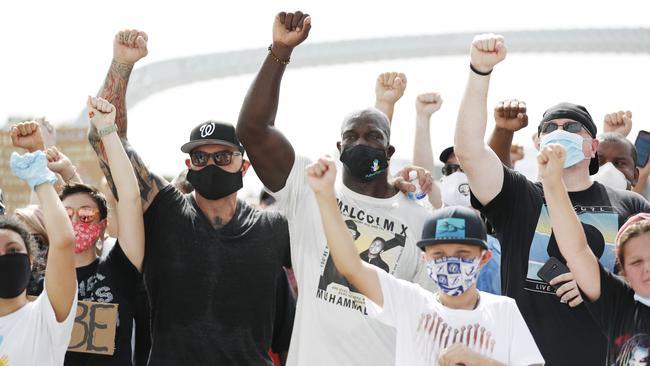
x,y
200,158
449,169
85,214
571,126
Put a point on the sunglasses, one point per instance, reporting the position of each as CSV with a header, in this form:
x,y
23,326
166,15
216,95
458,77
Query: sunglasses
x,y
201,158
449,169
85,214
571,126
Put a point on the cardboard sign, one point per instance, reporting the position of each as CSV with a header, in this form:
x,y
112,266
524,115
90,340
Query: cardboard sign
x,y
94,328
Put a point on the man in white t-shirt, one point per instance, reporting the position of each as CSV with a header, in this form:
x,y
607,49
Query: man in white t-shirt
x,y
457,325
331,325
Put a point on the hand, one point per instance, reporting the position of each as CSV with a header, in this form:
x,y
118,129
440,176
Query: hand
x,y
100,112
390,87
27,135
59,163
568,292
129,46
401,180
47,131
427,104
516,153
511,115
321,175
460,354
289,30
551,162
645,171
620,122
487,50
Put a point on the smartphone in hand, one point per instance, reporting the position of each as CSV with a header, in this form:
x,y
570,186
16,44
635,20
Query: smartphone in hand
x,y
551,269
642,145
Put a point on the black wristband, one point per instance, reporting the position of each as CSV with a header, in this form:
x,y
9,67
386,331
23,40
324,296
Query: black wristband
x,y
479,72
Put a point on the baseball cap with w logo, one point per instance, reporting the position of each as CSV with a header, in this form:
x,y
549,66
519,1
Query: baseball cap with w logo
x,y
211,133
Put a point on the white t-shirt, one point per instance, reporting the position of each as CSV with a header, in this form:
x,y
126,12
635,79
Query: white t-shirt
x,y
331,326
31,336
425,327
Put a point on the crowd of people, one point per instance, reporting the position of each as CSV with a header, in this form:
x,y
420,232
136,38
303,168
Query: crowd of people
x,y
491,268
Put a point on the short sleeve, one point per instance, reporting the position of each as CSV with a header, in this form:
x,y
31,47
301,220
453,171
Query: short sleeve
x,y
291,196
615,296
59,333
166,198
400,297
523,349
517,191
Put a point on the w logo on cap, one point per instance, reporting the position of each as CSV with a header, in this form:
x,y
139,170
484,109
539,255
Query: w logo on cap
x,y
207,129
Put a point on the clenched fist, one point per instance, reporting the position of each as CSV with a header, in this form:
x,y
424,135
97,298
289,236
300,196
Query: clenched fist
x,y
390,87
620,122
129,46
427,104
486,51
551,162
100,112
27,135
321,175
59,163
289,30
511,115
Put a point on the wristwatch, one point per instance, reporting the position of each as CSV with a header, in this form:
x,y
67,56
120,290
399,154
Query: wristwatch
x,y
107,130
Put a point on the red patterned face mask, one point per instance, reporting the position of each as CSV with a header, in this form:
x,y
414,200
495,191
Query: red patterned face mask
x,y
86,234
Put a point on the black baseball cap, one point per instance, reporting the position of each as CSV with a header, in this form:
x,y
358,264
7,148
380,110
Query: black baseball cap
x,y
577,113
454,225
211,133
444,155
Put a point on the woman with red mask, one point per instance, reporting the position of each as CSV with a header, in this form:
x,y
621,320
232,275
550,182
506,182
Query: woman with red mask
x,y
114,278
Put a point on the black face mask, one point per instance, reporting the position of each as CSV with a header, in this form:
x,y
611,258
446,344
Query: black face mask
x,y
364,162
14,274
213,182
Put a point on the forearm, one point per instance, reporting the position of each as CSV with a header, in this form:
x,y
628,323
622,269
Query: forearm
x,y
423,155
129,211
386,107
500,143
571,238
114,91
260,105
60,278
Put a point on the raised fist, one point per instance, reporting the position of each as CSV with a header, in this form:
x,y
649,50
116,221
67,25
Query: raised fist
x,y
59,163
486,51
290,30
390,87
321,175
100,112
27,135
129,46
551,162
511,115
620,122
516,153
427,104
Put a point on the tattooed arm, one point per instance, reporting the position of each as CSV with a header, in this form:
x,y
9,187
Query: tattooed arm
x,y
128,47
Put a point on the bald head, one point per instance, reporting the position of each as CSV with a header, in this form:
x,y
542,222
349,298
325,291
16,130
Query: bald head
x,y
369,116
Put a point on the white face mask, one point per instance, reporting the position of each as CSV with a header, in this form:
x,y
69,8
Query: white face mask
x,y
644,300
454,190
609,176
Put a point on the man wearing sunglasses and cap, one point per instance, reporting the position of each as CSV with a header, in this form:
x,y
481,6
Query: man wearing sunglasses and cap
x,y
212,263
515,207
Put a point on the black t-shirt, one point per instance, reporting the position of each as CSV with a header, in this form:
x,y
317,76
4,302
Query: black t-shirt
x,y
625,322
212,292
564,335
111,280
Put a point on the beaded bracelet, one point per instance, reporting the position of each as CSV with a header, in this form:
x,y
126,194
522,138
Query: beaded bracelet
x,y
275,58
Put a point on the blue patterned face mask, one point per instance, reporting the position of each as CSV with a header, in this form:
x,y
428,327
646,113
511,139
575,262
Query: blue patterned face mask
x,y
571,142
454,275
